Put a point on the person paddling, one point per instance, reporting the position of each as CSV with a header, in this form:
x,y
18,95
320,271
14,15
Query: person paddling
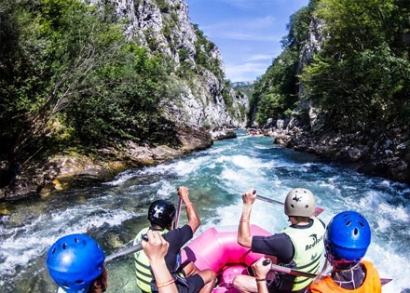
x,y
188,278
347,239
299,246
76,263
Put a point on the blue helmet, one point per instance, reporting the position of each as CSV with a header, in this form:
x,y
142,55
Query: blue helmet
x,y
74,262
347,238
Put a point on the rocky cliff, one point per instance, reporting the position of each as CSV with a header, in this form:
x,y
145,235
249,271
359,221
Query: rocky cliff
x,y
381,152
204,102
164,26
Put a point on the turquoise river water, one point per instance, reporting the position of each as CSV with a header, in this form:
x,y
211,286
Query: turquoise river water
x,y
115,211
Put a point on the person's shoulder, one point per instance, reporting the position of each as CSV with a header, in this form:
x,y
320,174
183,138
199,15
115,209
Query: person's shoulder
x,y
175,232
281,236
145,229
320,221
138,237
184,229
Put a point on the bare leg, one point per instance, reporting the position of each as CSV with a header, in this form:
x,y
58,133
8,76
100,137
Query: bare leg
x,y
244,283
208,276
190,269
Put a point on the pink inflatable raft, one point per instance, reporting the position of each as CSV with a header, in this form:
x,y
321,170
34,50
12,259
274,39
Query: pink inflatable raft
x,y
218,250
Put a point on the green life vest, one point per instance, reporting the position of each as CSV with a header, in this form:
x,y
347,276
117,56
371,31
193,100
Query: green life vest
x,y
143,268
308,244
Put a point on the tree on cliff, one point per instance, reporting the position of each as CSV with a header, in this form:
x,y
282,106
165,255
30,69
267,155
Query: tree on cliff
x,y
360,72
68,77
277,91
363,69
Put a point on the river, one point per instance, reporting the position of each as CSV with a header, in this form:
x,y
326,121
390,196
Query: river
x,y
115,211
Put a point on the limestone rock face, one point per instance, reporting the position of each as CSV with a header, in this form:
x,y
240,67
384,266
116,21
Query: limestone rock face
x,y
165,27
204,100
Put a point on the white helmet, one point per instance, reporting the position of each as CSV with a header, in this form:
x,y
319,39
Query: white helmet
x,y
300,202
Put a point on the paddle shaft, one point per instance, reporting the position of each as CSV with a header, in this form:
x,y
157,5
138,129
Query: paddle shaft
x,y
318,210
176,222
291,272
308,275
124,252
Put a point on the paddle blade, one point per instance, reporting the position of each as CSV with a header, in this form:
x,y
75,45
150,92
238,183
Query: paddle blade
x,y
385,280
318,211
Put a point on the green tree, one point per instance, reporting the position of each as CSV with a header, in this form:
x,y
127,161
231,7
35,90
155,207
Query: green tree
x,y
362,71
277,91
69,77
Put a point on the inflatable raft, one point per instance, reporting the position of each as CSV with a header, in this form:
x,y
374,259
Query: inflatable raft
x,y
217,249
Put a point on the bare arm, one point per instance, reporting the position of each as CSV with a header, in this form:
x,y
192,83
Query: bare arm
x,y
192,214
156,248
244,230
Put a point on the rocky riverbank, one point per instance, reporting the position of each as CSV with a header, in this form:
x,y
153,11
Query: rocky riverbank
x,y
63,171
385,154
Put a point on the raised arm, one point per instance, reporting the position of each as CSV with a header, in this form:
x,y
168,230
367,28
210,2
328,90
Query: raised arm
x,y
192,214
244,229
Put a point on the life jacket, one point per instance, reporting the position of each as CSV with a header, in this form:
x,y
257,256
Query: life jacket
x,y
143,268
308,244
371,284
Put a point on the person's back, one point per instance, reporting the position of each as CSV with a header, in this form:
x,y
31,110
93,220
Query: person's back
x,y
161,216
348,236
299,246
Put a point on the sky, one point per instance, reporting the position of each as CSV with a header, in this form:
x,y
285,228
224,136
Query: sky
x,y
247,32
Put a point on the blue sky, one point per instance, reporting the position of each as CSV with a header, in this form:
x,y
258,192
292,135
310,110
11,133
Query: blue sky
x,y
247,32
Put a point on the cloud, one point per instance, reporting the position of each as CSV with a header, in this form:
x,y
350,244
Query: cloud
x,y
256,4
248,23
246,71
255,66
244,29
247,32
241,36
249,4
260,57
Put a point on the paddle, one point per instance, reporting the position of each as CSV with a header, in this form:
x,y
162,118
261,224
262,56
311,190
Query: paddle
x,y
178,215
124,252
318,210
304,274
